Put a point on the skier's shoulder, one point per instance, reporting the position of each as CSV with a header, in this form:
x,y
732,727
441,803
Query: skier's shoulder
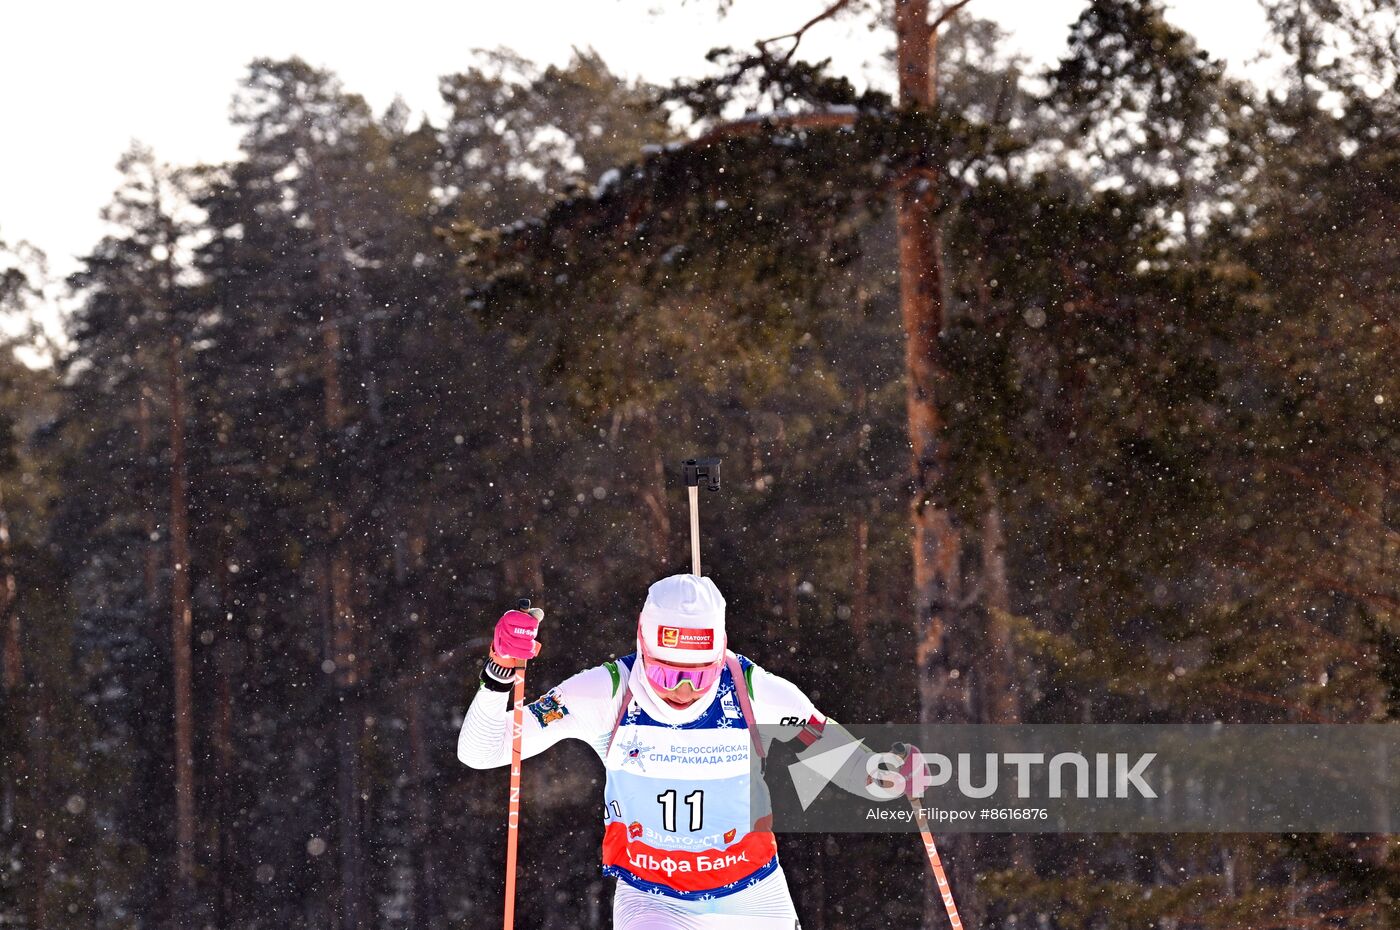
x,y
597,684
774,697
616,672
750,668
753,672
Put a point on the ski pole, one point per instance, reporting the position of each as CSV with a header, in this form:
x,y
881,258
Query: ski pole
x,y
939,876
695,469
513,817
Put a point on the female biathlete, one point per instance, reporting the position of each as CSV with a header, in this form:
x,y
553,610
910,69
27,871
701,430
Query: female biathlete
x,y
673,724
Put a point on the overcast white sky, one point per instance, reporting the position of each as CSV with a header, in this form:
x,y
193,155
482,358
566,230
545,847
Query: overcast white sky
x,y
81,79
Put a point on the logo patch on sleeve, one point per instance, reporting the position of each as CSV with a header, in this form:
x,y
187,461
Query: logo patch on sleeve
x,y
676,637
812,730
549,709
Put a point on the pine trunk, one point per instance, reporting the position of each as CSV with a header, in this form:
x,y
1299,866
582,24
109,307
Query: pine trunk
x,y
13,663
15,757
860,531
181,620
860,582
342,648
1000,692
150,522
937,545
1001,698
42,804
408,545
227,815
424,904
224,815
937,539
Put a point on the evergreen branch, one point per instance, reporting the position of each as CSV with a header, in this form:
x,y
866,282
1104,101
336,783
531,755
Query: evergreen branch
x,y
796,36
1319,485
1296,922
754,125
948,13
1271,700
1312,577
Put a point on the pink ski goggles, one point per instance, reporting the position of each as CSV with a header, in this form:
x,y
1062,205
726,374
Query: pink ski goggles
x,y
669,678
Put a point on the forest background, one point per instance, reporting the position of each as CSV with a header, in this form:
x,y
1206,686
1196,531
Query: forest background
x,y
1043,397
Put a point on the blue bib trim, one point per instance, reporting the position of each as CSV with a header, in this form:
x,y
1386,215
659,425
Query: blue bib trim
x,y
763,871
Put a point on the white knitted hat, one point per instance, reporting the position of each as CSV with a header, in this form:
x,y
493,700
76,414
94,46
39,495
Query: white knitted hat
x,y
683,620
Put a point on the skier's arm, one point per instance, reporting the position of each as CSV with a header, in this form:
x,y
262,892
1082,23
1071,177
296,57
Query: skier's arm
x,y
783,710
577,708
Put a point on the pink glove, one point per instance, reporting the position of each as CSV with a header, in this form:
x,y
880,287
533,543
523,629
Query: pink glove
x,y
912,755
515,634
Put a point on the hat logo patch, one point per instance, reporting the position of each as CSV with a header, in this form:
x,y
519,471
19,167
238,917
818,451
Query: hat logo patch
x,y
674,637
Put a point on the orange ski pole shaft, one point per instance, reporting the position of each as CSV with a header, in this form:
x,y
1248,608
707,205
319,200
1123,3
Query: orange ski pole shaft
x,y
513,817
517,728
940,877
